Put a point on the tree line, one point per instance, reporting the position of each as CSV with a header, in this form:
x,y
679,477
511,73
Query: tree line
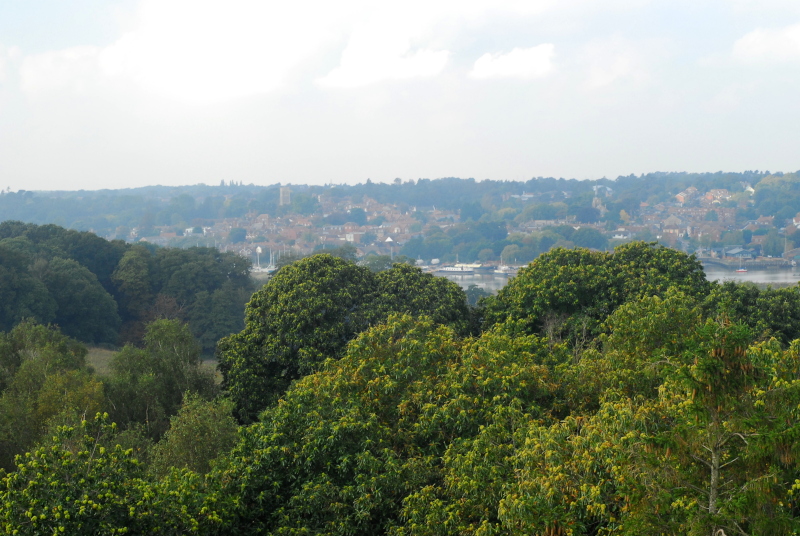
x,y
598,393
100,291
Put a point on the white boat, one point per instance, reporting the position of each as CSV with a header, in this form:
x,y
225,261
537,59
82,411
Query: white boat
x,y
459,268
506,270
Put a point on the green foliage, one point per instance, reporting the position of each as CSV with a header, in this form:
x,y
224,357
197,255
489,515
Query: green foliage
x,y
217,314
710,452
200,432
640,339
21,295
133,281
42,378
587,237
237,235
379,263
84,310
770,312
407,289
475,294
307,312
310,310
305,204
207,287
96,254
661,416
773,245
83,482
147,384
568,293
346,448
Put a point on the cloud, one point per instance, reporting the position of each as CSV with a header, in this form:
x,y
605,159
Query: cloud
x,y
71,69
534,62
196,51
389,42
770,45
4,61
209,51
730,98
205,51
613,60
363,67
765,6
9,59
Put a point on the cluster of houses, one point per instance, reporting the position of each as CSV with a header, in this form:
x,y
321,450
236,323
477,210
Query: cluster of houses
x,y
386,229
704,216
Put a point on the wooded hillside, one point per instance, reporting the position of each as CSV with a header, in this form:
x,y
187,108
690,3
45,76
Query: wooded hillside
x,y
597,393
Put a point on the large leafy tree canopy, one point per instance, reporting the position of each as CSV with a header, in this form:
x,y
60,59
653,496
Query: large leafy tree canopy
x,y
608,394
383,417
568,293
309,312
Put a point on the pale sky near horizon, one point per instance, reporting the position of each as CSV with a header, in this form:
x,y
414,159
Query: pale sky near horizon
x,y
124,93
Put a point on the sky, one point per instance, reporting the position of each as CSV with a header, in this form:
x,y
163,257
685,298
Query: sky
x,y
125,93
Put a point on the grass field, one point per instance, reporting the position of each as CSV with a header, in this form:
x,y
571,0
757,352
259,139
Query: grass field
x,y
100,359
211,366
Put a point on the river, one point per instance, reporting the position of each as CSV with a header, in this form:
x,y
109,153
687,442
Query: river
x,y
492,283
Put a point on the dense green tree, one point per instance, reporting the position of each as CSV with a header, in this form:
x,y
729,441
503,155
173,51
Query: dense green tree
x,y
769,312
43,376
21,295
98,255
647,269
306,313
358,216
471,211
305,204
201,431
639,338
84,310
217,314
311,309
194,279
379,263
147,384
568,293
237,235
133,280
182,273
347,447
587,237
407,289
773,245
586,214
82,481
562,287
475,293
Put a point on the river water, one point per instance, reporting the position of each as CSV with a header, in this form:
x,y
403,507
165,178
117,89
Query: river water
x,y
492,283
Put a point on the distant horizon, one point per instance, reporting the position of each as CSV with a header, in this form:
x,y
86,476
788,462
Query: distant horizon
x,y
326,184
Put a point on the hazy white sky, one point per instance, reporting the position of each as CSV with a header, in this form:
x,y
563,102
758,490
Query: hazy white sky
x,y
110,94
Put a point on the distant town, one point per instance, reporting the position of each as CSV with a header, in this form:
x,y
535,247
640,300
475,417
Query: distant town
x,y
693,218
726,218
